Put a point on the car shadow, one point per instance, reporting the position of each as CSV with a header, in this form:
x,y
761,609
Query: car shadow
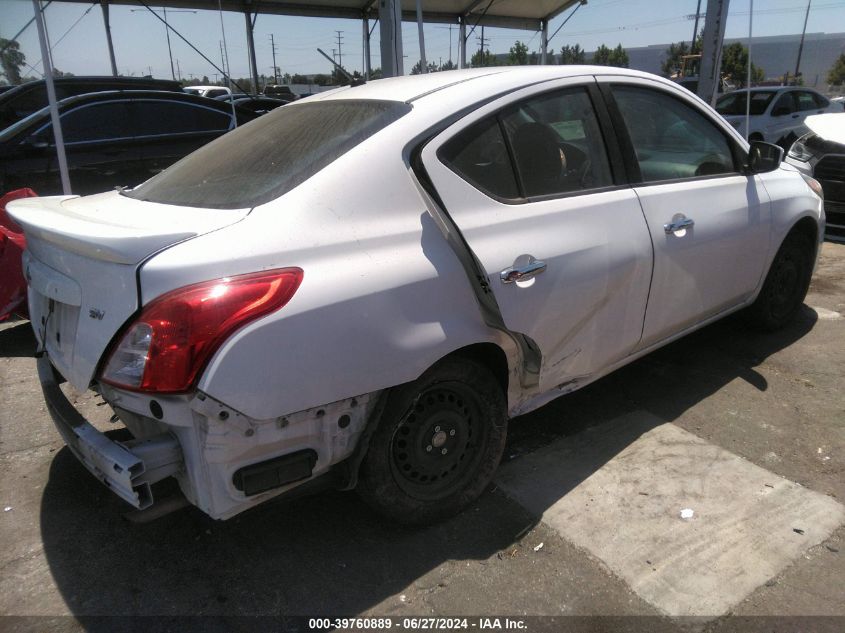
x,y
17,340
329,554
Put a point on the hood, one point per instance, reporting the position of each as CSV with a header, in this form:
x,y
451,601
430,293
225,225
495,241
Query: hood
x,y
830,127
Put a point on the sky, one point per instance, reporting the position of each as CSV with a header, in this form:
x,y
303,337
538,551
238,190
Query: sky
x,y
79,45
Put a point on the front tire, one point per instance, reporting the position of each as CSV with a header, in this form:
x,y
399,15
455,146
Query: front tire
x,y
438,443
786,284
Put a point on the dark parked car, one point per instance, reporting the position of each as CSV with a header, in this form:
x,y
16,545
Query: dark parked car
x,y
21,101
821,154
279,92
115,138
259,105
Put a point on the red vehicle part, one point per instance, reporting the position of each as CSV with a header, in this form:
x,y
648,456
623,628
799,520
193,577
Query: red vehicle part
x,y
12,243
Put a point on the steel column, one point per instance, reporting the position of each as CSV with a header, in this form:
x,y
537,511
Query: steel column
x,y
47,61
462,45
423,64
544,41
104,5
711,53
366,63
250,42
390,26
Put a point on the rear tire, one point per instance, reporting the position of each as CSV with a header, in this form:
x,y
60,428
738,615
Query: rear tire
x,y
438,443
785,286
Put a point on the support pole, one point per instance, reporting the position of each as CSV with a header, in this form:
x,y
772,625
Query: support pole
x,y
801,45
462,44
366,62
711,53
544,41
748,84
390,25
104,5
51,97
250,43
423,64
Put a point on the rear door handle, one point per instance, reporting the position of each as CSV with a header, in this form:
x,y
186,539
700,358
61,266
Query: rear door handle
x,y
522,273
678,225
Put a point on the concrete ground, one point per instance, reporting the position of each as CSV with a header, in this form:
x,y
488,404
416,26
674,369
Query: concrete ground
x,y
746,430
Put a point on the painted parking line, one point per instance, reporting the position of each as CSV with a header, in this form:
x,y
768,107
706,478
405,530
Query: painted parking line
x,y
691,527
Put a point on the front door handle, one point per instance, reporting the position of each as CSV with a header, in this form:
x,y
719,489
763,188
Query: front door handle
x,y
678,224
522,273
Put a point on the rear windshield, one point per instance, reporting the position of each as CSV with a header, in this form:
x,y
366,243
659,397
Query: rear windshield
x,y
267,158
734,103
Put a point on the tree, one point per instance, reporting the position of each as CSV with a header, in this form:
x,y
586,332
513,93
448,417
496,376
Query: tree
x,y
482,58
572,54
672,63
518,55
449,65
735,65
836,76
11,60
322,79
605,56
417,69
299,79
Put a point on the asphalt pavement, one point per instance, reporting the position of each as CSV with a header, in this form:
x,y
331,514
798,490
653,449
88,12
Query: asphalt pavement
x,y
699,488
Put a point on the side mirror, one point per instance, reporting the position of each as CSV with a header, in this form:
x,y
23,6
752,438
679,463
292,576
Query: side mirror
x,y
781,111
763,157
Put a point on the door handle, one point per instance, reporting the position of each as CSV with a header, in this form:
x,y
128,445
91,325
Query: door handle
x,y
678,225
522,273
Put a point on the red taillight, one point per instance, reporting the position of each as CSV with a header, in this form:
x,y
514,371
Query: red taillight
x,y
167,346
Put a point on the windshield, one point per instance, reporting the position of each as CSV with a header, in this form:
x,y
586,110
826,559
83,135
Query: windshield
x,y
734,103
267,158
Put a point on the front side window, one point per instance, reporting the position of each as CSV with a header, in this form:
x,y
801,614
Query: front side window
x,y
270,156
671,139
784,105
735,103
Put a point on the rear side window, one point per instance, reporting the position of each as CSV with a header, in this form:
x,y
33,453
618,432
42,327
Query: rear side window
x,y
479,155
168,117
263,160
671,139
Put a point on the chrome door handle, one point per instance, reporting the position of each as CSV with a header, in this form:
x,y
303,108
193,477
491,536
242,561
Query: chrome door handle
x,y
678,225
522,273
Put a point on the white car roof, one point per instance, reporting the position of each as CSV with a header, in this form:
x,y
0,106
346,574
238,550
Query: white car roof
x,y
487,80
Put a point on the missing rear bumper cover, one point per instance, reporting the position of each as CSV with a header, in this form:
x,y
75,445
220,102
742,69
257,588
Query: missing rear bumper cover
x,y
275,472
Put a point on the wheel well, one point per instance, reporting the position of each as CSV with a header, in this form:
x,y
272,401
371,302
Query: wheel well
x,y
491,356
806,226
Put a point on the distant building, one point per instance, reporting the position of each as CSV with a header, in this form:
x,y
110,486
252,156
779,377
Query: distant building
x,y
775,54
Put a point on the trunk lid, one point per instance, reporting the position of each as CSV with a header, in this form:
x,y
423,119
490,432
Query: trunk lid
x,y
81,267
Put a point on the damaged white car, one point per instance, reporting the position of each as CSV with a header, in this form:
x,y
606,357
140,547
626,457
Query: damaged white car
x,y
362,288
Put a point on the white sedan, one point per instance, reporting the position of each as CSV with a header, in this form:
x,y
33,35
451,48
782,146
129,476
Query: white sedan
x,y
776,114
362,288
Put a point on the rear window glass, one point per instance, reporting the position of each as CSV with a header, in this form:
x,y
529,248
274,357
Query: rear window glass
x,y
263,160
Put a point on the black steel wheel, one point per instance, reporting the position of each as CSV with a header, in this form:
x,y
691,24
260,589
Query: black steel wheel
x,y
786,284
437,445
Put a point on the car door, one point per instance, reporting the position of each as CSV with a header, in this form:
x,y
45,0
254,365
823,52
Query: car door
x,y
783,119
167,130
538,193
709,221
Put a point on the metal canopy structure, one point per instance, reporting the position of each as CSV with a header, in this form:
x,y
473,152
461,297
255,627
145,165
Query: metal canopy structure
x,y
517,14
531,15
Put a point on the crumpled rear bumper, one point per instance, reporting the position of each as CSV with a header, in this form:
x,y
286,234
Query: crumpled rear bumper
x,y
127,468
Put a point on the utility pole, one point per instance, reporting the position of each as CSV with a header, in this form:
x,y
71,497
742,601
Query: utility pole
x,y
695,28
275,68
482,41
178,70
801,45
339,49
